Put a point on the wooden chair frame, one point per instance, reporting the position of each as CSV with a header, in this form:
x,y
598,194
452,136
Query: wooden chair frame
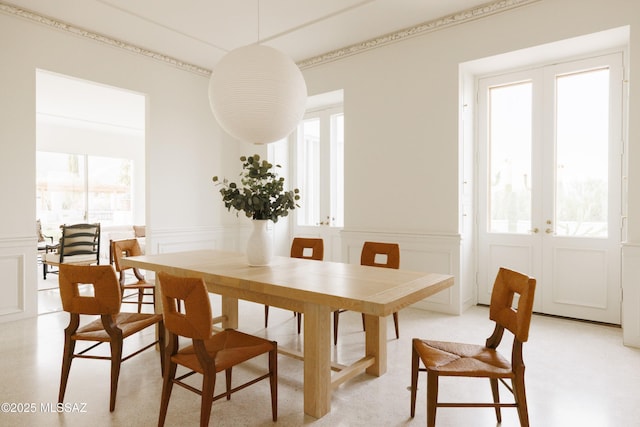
x,y
368,257
214,352
118,250
112,327
441,356
298,247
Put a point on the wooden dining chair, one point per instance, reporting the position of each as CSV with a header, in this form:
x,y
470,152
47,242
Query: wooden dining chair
x,y
209,353
305,248
91,291
120,249
375,254
448,359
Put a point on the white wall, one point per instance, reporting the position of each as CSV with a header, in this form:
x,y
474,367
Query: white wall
x,y
184,146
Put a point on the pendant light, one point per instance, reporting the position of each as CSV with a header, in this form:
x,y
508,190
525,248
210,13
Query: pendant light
x,y
257,94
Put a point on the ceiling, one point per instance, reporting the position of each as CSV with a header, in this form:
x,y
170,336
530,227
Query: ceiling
x,y
200,32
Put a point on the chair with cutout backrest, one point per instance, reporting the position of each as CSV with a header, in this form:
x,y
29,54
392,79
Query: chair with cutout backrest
x,y
375,254
305,248
449,359
209,352
120,249
79,245
113,326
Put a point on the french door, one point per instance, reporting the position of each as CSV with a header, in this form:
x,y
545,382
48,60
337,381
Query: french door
x,y
319,167
549,199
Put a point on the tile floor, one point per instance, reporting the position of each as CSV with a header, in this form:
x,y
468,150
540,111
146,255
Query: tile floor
x,y
578,374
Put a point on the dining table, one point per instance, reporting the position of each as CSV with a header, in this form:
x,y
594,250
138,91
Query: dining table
x,y
315,289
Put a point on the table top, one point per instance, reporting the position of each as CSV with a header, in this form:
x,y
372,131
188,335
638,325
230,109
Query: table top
x,y
370,290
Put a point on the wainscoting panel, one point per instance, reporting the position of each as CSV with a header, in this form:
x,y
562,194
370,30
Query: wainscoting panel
x,y
418,252
193,239
631,294
19,283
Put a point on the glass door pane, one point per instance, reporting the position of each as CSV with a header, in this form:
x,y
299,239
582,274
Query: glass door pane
x,y
308,179
582,141
510,108
337,170
60,190
110,191
75,188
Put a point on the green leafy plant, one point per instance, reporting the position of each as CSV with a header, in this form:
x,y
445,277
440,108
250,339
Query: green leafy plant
x,y
261,193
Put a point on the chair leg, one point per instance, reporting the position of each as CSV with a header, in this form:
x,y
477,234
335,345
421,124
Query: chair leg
x,y
44,270
336,316
395,323
415,361
67,357
160,331
273,382
363,327
266,315
299,315
208,386
167,386
227,374
521,400
140,298
116,361
496,397
432,398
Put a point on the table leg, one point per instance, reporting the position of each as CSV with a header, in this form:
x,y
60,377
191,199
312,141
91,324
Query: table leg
x,y
230,310
317,360
376,343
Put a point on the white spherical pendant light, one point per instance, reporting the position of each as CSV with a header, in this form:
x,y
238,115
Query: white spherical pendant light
x,y
257,94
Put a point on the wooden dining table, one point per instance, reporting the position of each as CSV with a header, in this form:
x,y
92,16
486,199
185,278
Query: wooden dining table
x,y
315,289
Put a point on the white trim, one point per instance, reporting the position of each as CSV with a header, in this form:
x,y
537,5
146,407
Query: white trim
x,y
418,30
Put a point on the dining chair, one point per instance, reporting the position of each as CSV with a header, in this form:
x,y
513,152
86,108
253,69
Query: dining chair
x,y
449,359
79,245
95,291
120,249
375,254
209,353
304,248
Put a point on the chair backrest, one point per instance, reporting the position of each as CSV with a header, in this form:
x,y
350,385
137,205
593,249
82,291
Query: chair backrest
x,y
195,322
299,245
80,239
41,237
371,250
106,298
124,248
517,320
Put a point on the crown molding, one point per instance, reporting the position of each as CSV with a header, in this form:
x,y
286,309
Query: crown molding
x,y
421,29
457,18
50,22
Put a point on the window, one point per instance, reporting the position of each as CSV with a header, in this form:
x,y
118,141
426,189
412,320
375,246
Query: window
x,y
320,168
74,188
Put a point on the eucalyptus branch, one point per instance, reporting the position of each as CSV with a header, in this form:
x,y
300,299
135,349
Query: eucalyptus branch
x,y
261,194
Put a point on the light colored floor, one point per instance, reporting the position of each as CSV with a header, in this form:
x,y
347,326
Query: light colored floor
x,y
578,374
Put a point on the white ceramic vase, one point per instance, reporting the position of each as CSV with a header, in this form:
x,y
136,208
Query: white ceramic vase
x,y
260,244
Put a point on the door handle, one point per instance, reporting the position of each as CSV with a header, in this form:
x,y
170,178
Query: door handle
x,y
548,231
534,231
